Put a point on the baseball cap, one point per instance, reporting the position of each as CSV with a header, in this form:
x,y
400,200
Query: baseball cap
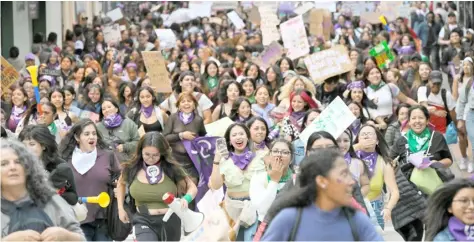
x,y
29,56
79,45
415,57
436,77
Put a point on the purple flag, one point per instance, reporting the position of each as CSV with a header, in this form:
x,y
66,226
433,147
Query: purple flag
x,y
201,151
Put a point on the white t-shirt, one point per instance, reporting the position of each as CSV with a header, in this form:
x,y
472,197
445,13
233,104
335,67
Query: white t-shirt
x,y
383,97
436,99
204,103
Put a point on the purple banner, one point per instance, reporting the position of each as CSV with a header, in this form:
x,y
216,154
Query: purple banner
x,y
201,151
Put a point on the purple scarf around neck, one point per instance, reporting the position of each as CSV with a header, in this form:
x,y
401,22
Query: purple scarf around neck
x,y
298,115
370,159
113,121
348,158
15,117
260,146
242,160
459,230
147,111
185,120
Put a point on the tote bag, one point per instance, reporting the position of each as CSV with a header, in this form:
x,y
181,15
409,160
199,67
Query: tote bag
x,y
427,180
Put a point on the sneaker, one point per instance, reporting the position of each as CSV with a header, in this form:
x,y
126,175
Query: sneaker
x,y
470,167
462,163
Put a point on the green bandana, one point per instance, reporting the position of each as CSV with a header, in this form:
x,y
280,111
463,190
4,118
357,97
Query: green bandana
x,y
284,178
212,82
251,99
52,128
377,87
418,142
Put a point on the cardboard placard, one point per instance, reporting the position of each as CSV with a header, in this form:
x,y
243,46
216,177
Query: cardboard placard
x,y
90,115
294,37
218,127
316,22
268,24
254,16
334,119
49,72
370,17
112,33
156,68
167,38
328,63
236,20
9,75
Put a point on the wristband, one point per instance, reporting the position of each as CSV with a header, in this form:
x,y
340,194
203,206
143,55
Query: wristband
x,y
188,198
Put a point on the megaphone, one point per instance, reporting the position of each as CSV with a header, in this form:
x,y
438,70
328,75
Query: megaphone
x,y
189,219
103,199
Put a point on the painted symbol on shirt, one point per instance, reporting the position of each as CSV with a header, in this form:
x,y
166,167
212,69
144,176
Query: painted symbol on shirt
x,y
153,172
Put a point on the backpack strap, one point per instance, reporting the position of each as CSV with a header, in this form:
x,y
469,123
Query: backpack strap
x,y
443,96
296,225
349,216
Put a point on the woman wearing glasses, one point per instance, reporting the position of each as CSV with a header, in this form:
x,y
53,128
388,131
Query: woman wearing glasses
x,y
265,186
449,212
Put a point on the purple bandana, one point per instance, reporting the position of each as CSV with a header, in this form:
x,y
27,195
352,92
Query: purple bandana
x,y
242,120
153,173
242,160
147,111
459,230
113,121
348,158
260,146
298,115
186,120
370,159
355,127
15,117
356,84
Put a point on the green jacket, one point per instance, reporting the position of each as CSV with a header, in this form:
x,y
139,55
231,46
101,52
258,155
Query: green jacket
x,y
126,134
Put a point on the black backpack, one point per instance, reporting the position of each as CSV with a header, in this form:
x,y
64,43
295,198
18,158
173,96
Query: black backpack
x,y
26,215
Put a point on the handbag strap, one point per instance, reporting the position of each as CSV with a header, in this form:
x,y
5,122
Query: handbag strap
x,y
348,215
296,225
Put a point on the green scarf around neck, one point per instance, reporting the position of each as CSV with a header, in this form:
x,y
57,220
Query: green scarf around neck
x,y
418,142
212,82
378,86
284,178
53,129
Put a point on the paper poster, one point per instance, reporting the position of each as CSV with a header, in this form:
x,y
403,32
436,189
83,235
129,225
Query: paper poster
x,y
167,38
293,34
218,127
269,55
115,14
201,8
90,115
334,119
49,72
356,8
112,33
236,20
156,68
9,75
224,5
330,6
328,63
268,24
304,8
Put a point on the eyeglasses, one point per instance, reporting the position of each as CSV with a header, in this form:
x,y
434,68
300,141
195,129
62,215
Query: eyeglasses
x,y
367,134
465,202
280,152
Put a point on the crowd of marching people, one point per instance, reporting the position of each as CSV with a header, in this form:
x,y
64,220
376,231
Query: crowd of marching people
x,y
101,124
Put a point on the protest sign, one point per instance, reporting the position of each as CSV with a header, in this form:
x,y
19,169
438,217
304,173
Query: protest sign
x,y
215,20
90,115
270,55
156,69
218,127
316,22
236,20
356,8
304,8
9,75
49,72
201,8
294,37
327,25
369,18
330,6
334,119
254,15
167,38
328,63
224,5
112,33
115,14
268,24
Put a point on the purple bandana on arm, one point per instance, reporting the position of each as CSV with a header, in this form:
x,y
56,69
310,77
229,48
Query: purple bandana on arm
x,y
113,121
459,230
242,160
147,111
370,159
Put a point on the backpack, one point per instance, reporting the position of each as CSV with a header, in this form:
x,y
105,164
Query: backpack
x,y
445,103
26,215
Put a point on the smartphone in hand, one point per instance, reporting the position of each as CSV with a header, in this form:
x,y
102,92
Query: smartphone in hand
x,y
221,147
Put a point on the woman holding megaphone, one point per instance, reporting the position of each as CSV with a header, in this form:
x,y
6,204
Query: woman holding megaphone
x,y
150,174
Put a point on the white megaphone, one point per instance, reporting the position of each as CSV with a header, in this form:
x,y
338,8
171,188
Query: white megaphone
x,y
189,219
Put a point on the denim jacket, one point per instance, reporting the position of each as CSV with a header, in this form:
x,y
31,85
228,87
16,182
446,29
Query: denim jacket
x,y
444,235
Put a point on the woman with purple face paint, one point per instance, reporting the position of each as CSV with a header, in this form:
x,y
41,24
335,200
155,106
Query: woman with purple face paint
x,y
146,112
373,150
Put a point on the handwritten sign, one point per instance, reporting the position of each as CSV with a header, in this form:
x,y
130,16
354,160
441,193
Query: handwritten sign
x,y
167,38
112,33
294,37
269,55
49,72
236,20
334,119
90,115
328,63
156,69
268,26
320,23
9,75
218,127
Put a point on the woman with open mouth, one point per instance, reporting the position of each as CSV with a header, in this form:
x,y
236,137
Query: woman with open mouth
x,y
92,164
236,171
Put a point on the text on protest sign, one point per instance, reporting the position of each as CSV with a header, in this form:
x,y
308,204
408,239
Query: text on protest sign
x,y
293,34
9,75
334,119
269,56
328,63
268,26
50,72
156,69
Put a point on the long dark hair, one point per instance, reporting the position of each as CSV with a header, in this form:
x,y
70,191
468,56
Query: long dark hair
x,y
278,78
234,112
230,148
33,112
251,121
306,116
223,90
41,134
123,86
436,214
317,164
69,142
382,147
170,166
114,103
68,119
319,135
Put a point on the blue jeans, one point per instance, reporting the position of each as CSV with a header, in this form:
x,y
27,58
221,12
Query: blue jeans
x,y
470,128
378,208
96,230
246,234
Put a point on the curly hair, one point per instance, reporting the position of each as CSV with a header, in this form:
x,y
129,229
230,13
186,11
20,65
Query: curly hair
x,y
289,87
69,142
37,181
